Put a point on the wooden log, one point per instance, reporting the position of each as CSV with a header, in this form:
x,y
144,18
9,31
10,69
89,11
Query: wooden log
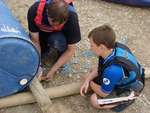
x,y
27,97
147,72
54,92
40,95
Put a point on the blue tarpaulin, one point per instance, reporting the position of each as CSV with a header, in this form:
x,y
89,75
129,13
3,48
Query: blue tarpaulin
x,y
142,3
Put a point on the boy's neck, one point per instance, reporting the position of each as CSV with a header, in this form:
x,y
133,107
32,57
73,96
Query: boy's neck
x,y
107,53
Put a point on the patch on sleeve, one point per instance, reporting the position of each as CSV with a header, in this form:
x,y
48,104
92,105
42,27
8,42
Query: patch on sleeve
x,y
106,81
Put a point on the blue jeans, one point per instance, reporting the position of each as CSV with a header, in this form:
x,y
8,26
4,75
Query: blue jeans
x,y
55,40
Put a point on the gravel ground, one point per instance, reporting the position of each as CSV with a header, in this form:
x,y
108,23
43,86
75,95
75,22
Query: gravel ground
x,y
131,25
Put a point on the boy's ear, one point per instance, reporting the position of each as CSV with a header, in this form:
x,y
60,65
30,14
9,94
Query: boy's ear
x,y
102,46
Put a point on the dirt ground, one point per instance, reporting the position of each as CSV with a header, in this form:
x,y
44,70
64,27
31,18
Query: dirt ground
x,y
131,25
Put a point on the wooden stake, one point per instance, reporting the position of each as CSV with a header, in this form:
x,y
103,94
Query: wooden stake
x,y
40,95
147,72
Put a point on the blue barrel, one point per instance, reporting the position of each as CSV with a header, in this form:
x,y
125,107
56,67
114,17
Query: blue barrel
x,y
142,3
19,59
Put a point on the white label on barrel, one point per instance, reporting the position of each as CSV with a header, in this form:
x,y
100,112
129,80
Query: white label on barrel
x,y
23,81
5,28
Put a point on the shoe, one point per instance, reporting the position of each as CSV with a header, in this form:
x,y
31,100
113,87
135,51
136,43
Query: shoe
x,y
122,106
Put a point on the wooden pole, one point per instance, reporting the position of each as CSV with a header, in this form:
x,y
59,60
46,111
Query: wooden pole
x,y
40,95
28,97
54,92
147,72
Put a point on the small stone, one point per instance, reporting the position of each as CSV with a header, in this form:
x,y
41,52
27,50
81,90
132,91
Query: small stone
x,y
78,77
70,75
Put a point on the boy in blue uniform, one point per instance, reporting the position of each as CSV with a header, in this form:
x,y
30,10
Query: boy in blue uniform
x,y
117,70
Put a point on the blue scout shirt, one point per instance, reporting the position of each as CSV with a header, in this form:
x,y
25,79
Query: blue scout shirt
x,y
112,75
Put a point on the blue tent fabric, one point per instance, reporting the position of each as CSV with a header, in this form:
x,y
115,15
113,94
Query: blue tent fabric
x,y
142,3
19,59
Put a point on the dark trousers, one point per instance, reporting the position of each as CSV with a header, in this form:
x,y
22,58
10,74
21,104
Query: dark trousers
x,y
55,40
53,45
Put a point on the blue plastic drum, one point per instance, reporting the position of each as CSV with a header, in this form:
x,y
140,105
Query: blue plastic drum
x,y
19,59
142,3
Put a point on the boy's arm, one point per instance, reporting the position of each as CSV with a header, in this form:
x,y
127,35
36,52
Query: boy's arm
x,y
111,76
96,88
64,58
35,39
89,77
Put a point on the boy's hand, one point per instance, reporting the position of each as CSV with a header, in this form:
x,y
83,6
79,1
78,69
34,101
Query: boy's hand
x,y
84,88
42,78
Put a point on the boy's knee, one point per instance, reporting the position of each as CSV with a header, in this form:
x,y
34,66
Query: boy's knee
x,y
93,100
58,41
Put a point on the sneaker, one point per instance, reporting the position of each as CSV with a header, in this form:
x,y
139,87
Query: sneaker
x,y
122,106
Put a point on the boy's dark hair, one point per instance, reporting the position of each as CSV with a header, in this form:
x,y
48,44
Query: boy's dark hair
x,y
58,11
103,35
